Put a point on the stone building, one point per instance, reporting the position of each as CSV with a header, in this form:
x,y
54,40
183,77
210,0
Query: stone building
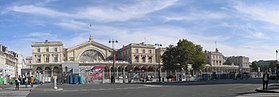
x,y
140,55
47,58
50,58
159,53
241,61
215,63
8,62
28,62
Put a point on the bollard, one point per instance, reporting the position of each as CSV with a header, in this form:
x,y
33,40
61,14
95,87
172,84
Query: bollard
x,y
55,82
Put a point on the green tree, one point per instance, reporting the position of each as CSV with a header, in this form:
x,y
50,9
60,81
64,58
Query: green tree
x,y
199,59
255,66
272,66
169,58
185,53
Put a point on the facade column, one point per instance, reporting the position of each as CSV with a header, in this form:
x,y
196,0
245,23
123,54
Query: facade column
x,y
44,74
117,76
51,68
123,74
110,72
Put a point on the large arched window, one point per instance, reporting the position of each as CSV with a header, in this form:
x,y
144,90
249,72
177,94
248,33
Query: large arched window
x,y
91,56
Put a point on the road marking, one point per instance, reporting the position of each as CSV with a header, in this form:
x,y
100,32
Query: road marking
x,y
101,89
153,85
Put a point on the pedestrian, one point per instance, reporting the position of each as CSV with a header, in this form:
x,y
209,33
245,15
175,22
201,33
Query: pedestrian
x,y
32,81
265,80
26,82
17,84
20,79
180,78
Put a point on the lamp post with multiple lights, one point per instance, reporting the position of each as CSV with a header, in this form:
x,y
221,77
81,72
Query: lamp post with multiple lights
x,y
277,67
114,59
159,60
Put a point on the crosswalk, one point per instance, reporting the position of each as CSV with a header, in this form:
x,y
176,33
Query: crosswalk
x,y
260,95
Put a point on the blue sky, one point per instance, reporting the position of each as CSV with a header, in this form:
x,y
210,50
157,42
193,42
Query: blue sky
x,y
239,27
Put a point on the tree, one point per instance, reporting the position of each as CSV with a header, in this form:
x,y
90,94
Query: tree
x,y
186,52
272,66
199,61
255,66
169,58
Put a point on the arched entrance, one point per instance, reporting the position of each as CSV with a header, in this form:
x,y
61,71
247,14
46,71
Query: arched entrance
x,y
39,70
47,74
56,71
91,56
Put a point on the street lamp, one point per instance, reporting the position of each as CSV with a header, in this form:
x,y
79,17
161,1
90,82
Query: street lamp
x,y
159,60
277,67
113,64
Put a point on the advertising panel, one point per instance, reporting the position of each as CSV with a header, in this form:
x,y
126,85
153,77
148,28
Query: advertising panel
x,y
91,73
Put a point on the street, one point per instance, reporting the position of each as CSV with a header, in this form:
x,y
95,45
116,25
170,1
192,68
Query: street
x,y
218,88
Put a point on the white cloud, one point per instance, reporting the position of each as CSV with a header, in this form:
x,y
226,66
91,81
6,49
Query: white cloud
x,y
78,19
125,12
103,13
195,15
254,52
73,25
39,34
259,12
259,35
31,9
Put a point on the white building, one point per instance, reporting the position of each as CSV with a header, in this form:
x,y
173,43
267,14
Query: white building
x,y
215,63
241,61
9,64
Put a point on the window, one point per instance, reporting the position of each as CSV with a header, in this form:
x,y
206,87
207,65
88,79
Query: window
x,y
143,51
143,59
72,58
39,59
55,58
150,51
47,58
137,59
38,50
55,50
137,50
47,49
150,60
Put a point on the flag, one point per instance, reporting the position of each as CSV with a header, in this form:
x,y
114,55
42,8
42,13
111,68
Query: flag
x,y
276,51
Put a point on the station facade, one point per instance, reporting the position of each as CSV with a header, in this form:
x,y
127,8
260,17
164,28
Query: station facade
x,y
50,58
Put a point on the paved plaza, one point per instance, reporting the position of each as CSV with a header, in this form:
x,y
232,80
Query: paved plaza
x,y
215,88
218,88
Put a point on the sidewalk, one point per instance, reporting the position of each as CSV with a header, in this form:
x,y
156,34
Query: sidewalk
x,y
21,88
9,91
272,88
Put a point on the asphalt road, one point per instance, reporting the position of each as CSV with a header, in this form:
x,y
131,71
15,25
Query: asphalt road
x,y
218,88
